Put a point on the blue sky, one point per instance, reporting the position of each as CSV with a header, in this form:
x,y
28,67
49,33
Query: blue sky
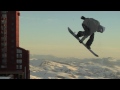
x,y
45,32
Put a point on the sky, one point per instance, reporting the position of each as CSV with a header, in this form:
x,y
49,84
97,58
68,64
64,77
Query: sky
x,y
46,33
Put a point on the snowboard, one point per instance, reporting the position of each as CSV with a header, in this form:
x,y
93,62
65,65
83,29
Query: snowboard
x,y
82,42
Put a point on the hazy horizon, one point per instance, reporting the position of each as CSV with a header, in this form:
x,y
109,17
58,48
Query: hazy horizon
x,y
45,32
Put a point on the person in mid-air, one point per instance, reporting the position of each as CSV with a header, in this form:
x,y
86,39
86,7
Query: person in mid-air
x,y
90,26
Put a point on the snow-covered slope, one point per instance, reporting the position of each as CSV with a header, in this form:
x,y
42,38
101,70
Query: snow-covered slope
x,y
73,68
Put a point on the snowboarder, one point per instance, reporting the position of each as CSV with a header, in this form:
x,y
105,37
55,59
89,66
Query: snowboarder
x,y
90,26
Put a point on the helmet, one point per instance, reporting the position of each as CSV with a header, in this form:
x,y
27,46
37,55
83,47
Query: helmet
x,y
82,17
101,29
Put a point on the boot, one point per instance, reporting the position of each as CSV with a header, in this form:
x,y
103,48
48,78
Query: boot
x,y
88,46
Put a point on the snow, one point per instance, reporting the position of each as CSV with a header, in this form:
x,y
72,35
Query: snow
x,y
43,67
5,77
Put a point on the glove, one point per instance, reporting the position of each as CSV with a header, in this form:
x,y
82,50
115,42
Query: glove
x,y
80,41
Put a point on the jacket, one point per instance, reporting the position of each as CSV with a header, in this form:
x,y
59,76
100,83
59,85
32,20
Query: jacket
x,y
93,26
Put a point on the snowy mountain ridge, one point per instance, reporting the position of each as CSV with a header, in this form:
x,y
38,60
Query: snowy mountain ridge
x,y
73,68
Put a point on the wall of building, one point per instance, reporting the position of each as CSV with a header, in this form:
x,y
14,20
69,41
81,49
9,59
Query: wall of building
x,y
3,30
12,44
23,61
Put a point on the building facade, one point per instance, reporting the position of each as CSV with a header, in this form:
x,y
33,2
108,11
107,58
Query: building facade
x,y
13,59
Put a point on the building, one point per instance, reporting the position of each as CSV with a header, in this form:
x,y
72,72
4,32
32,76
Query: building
x,y
13,59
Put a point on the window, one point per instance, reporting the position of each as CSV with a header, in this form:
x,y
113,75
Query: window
x,y
3,18
12,40
5,32
12,61
18,66
19,55
3,21
12,52
12,29
2,28
12,24
4,50
3,66
4,15
4,12
5,40
2,38
19,61
19,51
12,34
12,46
13,18
4,55
12,57
2,35
2,32
4,61
3,44
5,27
